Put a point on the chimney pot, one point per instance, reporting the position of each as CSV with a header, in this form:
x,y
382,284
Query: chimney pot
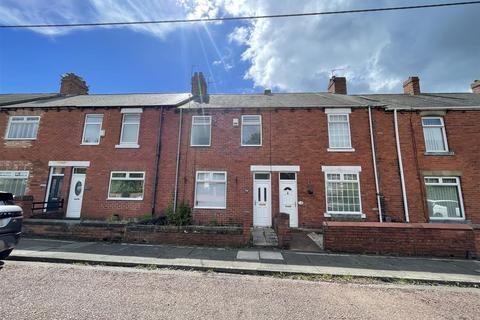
x,y
71,84
475,86
411,86
337,85
268,92
199,87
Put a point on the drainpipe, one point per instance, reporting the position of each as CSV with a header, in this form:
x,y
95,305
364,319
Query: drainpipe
x,y
374,159
157,161
178,160
400,164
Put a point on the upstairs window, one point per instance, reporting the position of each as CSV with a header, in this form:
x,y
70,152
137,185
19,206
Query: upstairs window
x,y
444,198
92,129
201,131
252,130
434,133
23,128
130,129
339,131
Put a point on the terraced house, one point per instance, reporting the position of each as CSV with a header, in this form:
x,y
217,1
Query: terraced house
x,y
392,173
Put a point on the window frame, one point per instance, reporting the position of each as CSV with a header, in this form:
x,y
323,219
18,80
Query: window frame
x,y
10,118
459,190
261,130
209,133
25,174
85,128
211,173
332,148
127,177
129,144
444,134
342,170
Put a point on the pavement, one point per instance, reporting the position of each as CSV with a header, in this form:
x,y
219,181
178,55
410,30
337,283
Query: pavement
x,y
250,260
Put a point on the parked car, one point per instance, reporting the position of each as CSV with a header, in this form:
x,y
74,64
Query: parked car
x,y
11,217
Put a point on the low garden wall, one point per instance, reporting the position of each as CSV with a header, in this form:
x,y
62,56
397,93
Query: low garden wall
x,y
121,232
411,239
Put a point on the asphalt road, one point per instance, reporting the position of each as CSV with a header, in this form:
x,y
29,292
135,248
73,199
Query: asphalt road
x,y
55,291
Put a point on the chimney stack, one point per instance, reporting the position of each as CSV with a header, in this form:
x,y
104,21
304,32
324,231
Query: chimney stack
x,y
475,86
199,87
71,84
337,85
411,86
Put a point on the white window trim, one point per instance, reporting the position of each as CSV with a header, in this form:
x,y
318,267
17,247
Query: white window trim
x,y
261,132
128,173
129,145
460,195
338,112
10,122
267,168
209,134
85,127
343,170
226,186
444,134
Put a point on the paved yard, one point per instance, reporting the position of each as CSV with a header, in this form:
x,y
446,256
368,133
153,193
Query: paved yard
x,y
31,290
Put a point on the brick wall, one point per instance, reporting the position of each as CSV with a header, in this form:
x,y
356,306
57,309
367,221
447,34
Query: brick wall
x,y
413,239
281,224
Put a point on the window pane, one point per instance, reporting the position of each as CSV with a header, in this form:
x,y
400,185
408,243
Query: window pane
x,y
203,176
443,201
201,120
92,119
262,176
119,175
131,118
432,122
339,135
333,176
251,119
251,135
338,117
210,194
200,135
15,186
92,133
434,139
136,175
349,176
23,130
130,133
218,176
343,197
287,176
132,189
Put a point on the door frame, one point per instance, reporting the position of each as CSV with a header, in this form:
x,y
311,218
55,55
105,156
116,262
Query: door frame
x,y
296,192
270,196
49,182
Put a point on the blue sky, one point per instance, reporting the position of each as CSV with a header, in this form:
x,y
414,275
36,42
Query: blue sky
x,y
376,52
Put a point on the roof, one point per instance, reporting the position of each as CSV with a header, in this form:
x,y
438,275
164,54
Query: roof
x,y
109,100
424,100
278,100
12,98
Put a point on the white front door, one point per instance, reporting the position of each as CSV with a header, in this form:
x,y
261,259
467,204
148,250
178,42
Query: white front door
x,y
262,212
288,196
76,193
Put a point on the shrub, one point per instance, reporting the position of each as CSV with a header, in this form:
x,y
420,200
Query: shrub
x,y
181,217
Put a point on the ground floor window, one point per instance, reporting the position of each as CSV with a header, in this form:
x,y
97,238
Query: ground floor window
x,y
14,182
211,190
126,185
342,188
444,200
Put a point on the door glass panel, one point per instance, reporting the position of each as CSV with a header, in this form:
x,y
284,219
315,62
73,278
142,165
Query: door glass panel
x,y
262,176
265,194
258,189
80,170
58,170
287,176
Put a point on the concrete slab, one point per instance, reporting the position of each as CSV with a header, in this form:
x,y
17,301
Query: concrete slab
x,y
248,255
271,255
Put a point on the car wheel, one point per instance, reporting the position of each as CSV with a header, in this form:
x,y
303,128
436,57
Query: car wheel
x,y
5,254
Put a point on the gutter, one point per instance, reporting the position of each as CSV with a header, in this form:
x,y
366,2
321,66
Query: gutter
x,y
157,161
400,165
178,160
374,159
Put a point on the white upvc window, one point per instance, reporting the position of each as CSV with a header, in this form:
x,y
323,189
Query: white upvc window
x,y
342,190
444,198
92,129
201,133
130,130
252,130
23,127
339,137
126,185
14,182
211,190
434,134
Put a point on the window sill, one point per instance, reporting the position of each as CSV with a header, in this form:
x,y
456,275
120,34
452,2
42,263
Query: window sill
x,y
89,144
127,146
125,199
442,153
251,145
200,145
332,214
215,208
447,220
20,139
341,150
